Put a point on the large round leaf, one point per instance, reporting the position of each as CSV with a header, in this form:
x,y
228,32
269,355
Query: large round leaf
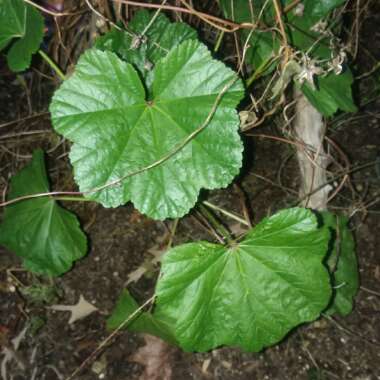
x,y
116,131
251,294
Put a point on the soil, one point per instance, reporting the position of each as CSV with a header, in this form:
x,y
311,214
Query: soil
x,y
122,239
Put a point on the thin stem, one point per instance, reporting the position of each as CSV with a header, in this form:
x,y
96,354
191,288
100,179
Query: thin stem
x,y
73,199
219,41
52,64
278,10
257,73
111,337
226,213
45,10
215,223
212,20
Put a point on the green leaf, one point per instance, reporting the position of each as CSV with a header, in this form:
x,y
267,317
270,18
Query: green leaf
x,y
44,234
251,294
300,27
144,46
263,45
343,265
22,21
12,20
117,131
142,322
315,10
332,92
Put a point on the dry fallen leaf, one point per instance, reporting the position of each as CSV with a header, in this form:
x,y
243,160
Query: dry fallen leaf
x,y
78,311
135,275
157,357
146,266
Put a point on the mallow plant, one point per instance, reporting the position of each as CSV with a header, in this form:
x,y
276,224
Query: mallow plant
x,y
152,119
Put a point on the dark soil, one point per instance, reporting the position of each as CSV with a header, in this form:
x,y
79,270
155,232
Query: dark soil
x,y
338,348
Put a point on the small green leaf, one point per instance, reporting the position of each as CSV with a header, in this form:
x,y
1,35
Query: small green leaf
x,y
44,234
103,109
343,265
262,45
144,46
22,21
142,322
249,295
315,10
301,27
12,20
332,92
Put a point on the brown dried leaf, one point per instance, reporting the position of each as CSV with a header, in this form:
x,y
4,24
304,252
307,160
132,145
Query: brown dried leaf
x,y
147,265
78,311
157,357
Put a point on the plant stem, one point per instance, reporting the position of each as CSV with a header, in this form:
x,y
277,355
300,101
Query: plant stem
x,y
215,223
73,199
52,64
257,73
226,213
218,41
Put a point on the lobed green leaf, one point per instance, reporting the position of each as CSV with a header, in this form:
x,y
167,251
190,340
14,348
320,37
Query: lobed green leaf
x,y
249,295
118,132
45,235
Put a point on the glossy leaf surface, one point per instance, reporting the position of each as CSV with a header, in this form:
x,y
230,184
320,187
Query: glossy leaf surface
x,y
249,295
117,131
23,22
44,234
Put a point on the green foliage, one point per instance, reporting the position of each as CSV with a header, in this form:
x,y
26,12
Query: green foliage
x,y
249,294
143,47
44,234
152,119
117,130
263,45
301,27
141,322
329,92
252,294
40,293
23,22
343,265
